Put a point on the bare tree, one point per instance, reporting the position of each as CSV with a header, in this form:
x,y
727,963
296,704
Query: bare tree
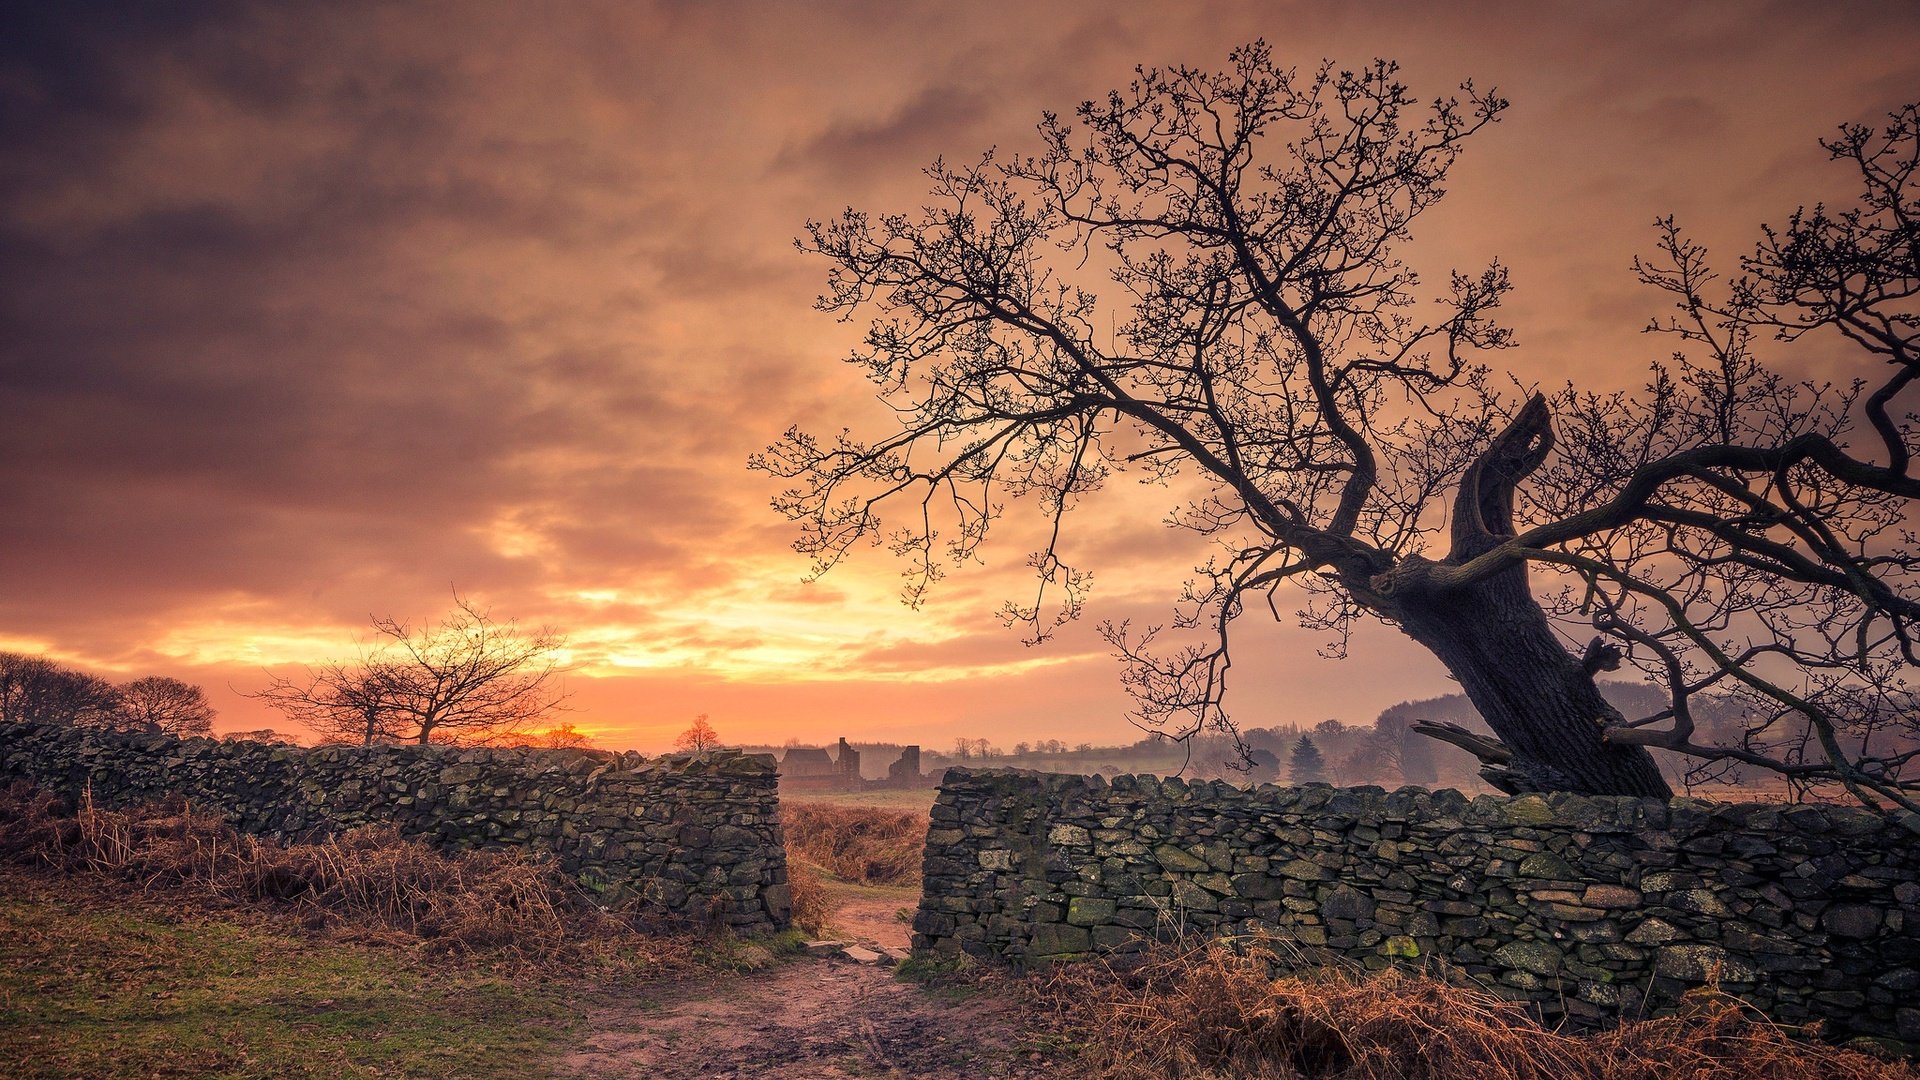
x,y
559,737
699,736
355,702
161,704
467,678
34,689
1328,424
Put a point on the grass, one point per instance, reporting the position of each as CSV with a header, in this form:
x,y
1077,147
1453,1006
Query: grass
x,y
369,881
123,986
860,844
158,942
918,798
812,902
1216,1012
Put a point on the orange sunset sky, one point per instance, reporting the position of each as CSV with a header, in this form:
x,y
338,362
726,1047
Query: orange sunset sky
x,y
314,311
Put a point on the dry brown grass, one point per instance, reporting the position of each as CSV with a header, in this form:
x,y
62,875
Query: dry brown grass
x,y
864,844
812,906
1212,1012
369,881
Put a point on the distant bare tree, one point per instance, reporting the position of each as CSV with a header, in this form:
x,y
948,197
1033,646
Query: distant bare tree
x,y
37,690
161,704
354,702
560,737
1367,763
1410,754
699,736
468,678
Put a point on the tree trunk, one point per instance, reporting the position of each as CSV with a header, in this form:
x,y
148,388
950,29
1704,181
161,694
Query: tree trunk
x,y
1538,698
1491,634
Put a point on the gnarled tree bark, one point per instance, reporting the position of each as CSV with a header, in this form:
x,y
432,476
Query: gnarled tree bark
x,y
1492,635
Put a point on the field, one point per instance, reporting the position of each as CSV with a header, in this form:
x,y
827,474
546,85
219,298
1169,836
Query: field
x,y
917,799
127,950
116,985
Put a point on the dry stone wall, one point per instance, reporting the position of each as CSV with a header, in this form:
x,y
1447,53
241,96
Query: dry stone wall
x,y
1590,908
690,840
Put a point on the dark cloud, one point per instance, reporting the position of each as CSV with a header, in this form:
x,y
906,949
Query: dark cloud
x,y
312,312
931,124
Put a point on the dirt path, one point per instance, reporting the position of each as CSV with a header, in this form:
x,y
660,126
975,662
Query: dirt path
x,y
808,1019
873,914
815,1018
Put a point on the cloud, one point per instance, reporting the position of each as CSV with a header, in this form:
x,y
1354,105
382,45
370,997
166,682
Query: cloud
x,y
929,125
311,313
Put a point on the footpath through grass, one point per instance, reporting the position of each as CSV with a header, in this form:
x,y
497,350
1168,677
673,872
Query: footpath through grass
x,y
124,987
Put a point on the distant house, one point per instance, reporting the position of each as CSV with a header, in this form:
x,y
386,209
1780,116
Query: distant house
x,y
906,771
808,768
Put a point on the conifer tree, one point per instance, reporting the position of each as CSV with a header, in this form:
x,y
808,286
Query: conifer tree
x,y
1306,765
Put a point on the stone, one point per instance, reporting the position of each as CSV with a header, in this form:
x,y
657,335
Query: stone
x,y
1059,939
1259,886
996,859
1533,957
1851,921
1302,870
1089,911
1612,897
1698,963
1069,836
860,954
1173,857
1654,931
1699,901
1347,902
1528,810
1192,897
1400,946
1546,864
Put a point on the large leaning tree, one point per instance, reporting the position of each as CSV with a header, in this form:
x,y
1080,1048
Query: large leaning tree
x,y
1201,281
468,678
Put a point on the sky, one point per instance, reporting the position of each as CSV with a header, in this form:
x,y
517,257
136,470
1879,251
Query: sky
x,y
313,313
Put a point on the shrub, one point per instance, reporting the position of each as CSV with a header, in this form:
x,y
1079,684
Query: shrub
x,y
812,907
865,844
367,880
1215,1011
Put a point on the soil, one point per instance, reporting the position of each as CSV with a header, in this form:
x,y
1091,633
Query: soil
x,y
872,914
810,1018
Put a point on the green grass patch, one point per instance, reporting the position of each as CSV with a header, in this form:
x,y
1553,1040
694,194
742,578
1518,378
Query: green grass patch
x,y
124,988
918,799
743,955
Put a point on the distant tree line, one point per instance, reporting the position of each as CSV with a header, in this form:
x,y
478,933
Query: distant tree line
x,y
34,689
